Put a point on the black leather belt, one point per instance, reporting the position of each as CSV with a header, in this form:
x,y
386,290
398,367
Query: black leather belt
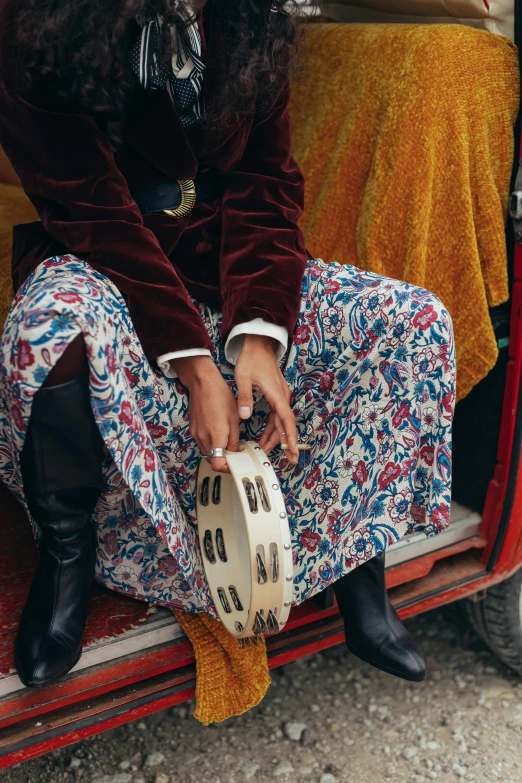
x,y
178,197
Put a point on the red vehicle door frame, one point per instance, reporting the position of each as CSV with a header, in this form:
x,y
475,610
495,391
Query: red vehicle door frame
x,y
502,517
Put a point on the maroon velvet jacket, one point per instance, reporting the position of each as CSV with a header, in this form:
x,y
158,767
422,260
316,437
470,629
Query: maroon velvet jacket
x,y
242,252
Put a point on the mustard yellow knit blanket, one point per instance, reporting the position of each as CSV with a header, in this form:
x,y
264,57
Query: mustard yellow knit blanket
x,y
405,137
229,679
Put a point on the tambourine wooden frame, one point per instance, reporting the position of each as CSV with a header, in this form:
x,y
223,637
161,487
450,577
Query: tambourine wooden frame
x,y
254,543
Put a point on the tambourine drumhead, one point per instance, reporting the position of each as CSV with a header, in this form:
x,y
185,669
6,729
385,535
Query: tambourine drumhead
x,y
245,542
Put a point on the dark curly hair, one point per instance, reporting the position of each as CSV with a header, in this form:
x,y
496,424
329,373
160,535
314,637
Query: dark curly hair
x,y
79,49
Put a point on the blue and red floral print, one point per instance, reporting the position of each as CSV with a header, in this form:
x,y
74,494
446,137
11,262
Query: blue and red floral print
x,y
372,374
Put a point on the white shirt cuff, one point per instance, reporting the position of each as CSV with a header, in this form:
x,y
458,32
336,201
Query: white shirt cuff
x,y
234,343
165,358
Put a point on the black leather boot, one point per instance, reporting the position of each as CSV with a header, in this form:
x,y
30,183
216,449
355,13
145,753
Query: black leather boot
x,y
374,631
61,464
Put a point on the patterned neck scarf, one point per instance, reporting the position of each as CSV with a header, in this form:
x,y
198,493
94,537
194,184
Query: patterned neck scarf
x,y
182,77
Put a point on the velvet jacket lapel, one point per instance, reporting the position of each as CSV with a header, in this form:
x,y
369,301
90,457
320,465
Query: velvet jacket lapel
x,y
152,129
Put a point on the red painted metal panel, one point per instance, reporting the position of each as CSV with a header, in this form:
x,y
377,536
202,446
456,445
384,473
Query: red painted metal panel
x,y
305,640
497,489
103,725
94,682
422,566
305,644
117,674
510,557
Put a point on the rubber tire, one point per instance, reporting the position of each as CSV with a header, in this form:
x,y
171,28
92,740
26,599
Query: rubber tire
x,y
497,620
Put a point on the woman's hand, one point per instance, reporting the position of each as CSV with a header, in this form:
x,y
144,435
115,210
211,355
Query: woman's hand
x,y
257,368
214,421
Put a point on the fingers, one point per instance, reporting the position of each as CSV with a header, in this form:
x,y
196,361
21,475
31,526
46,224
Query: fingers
x,y
233,438
285,420
282,427
220,438
245,402
270,436
213,418
219,464
280,430
264,375
288,433
273,434
273,441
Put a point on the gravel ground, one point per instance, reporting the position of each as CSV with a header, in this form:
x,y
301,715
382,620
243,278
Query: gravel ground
x,y
328,719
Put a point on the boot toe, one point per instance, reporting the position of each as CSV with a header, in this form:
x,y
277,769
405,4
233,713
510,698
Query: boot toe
x,y
404,661
399,657
39,668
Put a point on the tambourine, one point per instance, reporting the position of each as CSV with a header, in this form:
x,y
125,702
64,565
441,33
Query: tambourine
x,y
246,543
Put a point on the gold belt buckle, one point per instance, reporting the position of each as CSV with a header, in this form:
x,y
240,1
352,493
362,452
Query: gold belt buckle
x,y
188,199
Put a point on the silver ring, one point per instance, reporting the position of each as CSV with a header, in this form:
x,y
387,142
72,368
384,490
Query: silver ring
x,y
217,452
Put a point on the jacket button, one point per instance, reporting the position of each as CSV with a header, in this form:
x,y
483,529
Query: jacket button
x,y
202,248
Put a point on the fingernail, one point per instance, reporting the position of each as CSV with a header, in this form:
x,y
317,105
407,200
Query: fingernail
x,y
244,412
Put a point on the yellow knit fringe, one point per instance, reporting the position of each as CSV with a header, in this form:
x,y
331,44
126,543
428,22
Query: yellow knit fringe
x,y
229,680
405,137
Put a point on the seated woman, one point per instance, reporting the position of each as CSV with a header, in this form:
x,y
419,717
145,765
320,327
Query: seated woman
x,y
166,307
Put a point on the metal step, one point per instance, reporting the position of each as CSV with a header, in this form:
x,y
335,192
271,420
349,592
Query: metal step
x,y
463,524
159,627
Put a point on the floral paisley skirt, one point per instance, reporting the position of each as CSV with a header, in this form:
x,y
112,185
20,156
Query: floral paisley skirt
x,y
372,373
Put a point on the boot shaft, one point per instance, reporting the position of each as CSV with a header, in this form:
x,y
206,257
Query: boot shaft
x,y
63,449
61,466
